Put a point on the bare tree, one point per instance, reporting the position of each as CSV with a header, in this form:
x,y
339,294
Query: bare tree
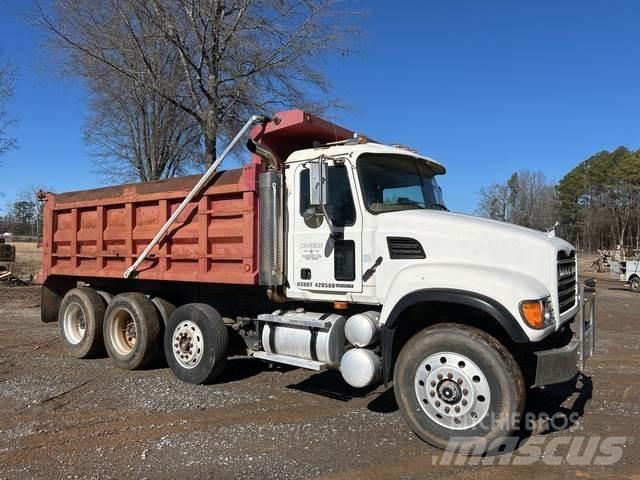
x,y
135,133
29,199
526,199
235,57
6,120
494,202
533,200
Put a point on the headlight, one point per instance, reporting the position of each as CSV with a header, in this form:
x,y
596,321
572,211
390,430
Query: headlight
x,y
537,314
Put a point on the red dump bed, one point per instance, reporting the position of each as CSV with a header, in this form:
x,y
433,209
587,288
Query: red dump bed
x,y
100,232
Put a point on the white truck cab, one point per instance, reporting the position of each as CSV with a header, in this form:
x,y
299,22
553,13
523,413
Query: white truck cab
x,y
366,225
387,217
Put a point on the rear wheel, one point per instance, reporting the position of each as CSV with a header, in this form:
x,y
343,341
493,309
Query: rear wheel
x,y
80,320
196,343
459,388
132,331
635,284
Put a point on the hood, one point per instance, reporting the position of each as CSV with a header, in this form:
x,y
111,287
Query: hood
x,y
457,238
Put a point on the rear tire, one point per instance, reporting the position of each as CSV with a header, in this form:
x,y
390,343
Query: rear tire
x,y
459,388
196,343
635,284
132,331
80,320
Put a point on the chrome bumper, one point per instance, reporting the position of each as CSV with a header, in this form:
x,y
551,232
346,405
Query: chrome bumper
x,y
561,364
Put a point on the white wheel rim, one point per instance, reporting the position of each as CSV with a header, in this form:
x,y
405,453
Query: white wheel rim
x,y
452,390
123,332
188,344
74,323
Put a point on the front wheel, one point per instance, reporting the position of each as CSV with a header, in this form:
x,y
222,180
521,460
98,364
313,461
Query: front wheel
x,y
459,388
635,284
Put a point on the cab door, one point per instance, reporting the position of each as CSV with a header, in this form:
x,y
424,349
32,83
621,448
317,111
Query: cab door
x,y
327,258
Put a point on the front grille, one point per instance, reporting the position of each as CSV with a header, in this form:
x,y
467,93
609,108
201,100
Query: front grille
x,y
404,248
566,281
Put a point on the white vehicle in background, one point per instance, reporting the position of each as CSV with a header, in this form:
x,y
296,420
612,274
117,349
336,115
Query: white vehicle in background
x,y
627,271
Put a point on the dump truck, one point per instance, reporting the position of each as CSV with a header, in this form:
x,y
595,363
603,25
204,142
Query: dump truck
x,y
326,250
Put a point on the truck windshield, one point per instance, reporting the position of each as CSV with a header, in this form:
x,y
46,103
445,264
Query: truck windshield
x,y
394,182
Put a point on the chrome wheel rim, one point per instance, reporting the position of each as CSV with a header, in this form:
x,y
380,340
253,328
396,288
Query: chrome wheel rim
x,y
188,344
74,323
452,390
123,332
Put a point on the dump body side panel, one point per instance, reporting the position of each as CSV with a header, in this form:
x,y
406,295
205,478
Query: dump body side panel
x,y
99,233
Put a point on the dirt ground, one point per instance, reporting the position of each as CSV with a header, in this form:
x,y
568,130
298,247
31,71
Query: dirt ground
x,y
66,418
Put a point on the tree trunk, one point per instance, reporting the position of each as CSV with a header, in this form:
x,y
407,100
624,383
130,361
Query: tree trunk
x,y
209,151
210,140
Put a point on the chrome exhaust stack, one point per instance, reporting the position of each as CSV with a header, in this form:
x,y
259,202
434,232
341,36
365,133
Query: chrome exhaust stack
x,y
271,222
264,152
271,228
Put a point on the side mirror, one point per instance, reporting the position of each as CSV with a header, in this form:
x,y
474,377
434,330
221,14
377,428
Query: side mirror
x,y
318,182
318,187
313,217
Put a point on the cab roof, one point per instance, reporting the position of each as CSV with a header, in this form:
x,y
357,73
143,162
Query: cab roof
x,y
290,133
355,150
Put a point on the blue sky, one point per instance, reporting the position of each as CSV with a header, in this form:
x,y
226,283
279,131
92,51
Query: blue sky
x,y
485,87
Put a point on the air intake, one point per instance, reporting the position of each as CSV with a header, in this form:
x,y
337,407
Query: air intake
x,y
404,248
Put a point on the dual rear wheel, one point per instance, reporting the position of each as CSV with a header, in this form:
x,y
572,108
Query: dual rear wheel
x,y
132,331
80,320
137,332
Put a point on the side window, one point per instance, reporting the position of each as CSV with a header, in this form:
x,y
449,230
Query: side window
x,y
304,190
340,204
344,260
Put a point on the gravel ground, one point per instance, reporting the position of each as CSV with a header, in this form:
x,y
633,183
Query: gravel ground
x,y
65,418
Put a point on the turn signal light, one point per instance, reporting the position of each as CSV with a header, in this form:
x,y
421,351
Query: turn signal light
x,y
533,313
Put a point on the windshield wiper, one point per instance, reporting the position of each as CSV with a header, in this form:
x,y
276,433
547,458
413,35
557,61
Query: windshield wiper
x,y
440,206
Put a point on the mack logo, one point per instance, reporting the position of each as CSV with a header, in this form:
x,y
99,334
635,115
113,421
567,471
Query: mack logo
x,y
566,271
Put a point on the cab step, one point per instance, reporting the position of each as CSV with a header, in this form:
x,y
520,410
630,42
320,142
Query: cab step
x,y
288,360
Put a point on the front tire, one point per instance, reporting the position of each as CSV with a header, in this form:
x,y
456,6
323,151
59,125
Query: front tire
x,y
196,343
80,320
459,388
635,284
